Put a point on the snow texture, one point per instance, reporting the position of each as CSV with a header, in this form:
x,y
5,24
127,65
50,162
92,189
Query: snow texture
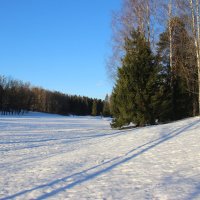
x,y
54,157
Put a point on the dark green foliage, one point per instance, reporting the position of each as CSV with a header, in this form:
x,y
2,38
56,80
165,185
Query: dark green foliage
x,y
181,87
134,95
106,107
94,108
17,97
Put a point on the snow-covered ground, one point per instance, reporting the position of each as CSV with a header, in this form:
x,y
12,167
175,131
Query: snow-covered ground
x,y
52,157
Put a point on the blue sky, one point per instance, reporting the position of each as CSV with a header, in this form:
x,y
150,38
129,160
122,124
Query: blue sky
x,y
58,44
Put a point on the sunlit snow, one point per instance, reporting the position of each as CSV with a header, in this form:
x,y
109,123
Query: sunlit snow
x,y
54,157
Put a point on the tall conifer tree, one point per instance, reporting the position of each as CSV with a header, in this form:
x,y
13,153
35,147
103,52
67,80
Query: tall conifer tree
x,y
94,108
106,107
134,95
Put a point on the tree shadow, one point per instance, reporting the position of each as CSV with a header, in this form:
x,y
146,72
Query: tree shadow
x,y
95,171
62,140
179,181
194,194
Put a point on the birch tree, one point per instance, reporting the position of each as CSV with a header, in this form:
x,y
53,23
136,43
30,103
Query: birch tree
x,y
135,14
194,7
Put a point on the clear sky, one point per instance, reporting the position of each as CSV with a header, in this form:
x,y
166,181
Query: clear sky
x,y
58,44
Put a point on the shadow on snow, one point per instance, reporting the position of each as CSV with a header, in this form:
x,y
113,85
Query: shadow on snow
x,y
89,174
61,140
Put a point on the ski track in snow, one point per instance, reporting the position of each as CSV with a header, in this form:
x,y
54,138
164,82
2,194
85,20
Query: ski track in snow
x,y
45,156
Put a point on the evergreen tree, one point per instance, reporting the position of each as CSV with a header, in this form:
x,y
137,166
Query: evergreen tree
x,y
99,106
134,95
94,108
181,103
106,107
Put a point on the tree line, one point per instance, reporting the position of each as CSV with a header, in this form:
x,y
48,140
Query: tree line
x,y
156,72
17,97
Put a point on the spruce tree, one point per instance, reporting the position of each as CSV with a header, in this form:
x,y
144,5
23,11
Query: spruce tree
x,y
180,77
94,108
106,107
134,95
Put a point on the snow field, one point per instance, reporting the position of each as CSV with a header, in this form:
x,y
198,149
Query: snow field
x,y
53,157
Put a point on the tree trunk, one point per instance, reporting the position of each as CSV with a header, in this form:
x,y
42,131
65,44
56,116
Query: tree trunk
x,y
170,35
198,42
196,34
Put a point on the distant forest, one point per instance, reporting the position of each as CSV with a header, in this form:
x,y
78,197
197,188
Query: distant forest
x,y
17,97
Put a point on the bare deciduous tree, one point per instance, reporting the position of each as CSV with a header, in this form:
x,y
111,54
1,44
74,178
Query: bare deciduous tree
x,y
137,14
